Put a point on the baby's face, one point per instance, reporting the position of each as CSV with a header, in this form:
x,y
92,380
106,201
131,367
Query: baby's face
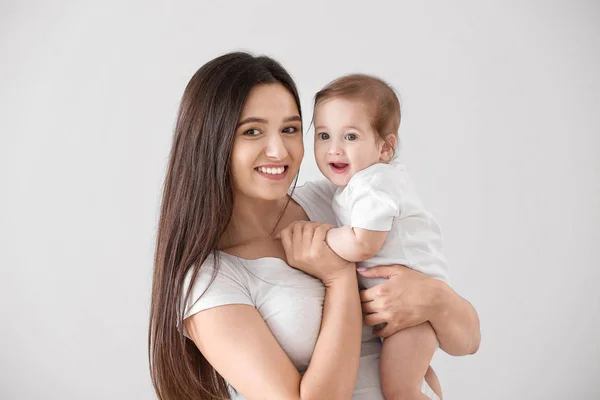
x,y
345,143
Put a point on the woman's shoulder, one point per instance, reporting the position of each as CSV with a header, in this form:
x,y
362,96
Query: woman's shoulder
x,y
218,281
320,188
216,261
315,198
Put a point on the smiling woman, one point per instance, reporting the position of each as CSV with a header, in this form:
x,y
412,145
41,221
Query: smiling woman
x,y
248,301
268,142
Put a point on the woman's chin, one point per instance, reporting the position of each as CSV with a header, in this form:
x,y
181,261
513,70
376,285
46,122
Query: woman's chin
x,y
270,193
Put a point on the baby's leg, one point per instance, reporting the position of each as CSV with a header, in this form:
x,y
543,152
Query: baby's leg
x,y
405,358
433,382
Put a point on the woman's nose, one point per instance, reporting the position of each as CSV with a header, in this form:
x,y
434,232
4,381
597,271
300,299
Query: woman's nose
x,y
276,147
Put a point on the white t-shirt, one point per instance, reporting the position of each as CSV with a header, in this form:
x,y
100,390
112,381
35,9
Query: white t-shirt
x,y
290,301
382,197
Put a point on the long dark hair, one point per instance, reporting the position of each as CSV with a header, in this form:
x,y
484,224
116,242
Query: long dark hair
x,y
196,208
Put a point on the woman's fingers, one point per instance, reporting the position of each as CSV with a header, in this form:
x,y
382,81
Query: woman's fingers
x,y
307,236
375,319
385,272
286,240
400,299
297,238
367,295
320,233
307,250
374,293
369,307
385,331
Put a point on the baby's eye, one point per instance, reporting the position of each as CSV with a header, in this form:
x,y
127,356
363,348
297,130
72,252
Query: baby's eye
x,y
323,135
351,136
290,129
252,132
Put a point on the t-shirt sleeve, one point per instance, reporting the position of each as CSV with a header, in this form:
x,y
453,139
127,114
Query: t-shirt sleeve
x,y
228,287
315,197
373,202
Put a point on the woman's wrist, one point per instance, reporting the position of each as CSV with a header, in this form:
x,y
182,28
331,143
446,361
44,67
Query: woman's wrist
x,y
344,276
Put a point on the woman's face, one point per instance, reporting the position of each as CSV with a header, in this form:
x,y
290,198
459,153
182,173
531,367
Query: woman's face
x,y
268,147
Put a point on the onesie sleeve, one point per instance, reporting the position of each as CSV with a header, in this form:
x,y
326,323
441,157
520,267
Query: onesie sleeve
x,y
373,200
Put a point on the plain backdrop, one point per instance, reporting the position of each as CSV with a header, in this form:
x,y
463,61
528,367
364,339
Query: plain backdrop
x,y
500,130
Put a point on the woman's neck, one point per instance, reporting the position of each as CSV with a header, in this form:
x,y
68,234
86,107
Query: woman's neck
x,y
252,219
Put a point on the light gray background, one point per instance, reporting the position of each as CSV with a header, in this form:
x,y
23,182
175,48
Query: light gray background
x,y
500,130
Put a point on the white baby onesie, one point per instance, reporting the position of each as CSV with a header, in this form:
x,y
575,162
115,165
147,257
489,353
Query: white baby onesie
x,y
382,197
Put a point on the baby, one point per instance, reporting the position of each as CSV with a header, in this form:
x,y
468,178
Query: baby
x,y
380,217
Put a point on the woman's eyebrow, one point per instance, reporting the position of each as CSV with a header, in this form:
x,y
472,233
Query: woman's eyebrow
x,y
264,121
252,119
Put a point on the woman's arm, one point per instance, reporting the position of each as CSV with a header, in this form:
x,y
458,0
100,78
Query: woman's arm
x,y
454,320
330,374
409,298
333,368
239,345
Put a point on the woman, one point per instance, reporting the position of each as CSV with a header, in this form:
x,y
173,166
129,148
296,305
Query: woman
x,y
226,307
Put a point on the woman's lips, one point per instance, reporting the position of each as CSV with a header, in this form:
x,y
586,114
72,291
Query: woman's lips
x,y
275,177
339,168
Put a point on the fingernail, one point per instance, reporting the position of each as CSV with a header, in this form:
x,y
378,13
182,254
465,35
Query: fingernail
x,y
361,269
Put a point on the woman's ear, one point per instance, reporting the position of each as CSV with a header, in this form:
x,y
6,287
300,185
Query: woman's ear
x,y
389,146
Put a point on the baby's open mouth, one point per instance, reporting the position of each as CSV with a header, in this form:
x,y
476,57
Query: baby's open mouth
x,y
339,168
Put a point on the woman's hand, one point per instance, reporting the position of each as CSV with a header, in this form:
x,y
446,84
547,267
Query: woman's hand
x,y
409,298
406,299
305,248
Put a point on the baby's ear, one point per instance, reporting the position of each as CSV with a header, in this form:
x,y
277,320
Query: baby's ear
x,y
388,147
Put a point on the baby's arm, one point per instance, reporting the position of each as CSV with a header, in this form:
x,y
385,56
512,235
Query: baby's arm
x,y
405,358
370,206
355,244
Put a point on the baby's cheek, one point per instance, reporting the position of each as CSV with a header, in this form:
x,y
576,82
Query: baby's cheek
x,y
319,153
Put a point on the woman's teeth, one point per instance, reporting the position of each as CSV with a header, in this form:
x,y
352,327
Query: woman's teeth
x,y
272,171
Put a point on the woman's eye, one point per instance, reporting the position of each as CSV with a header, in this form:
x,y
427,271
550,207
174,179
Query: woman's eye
x,y
351,136
290,129
323,135
252,132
